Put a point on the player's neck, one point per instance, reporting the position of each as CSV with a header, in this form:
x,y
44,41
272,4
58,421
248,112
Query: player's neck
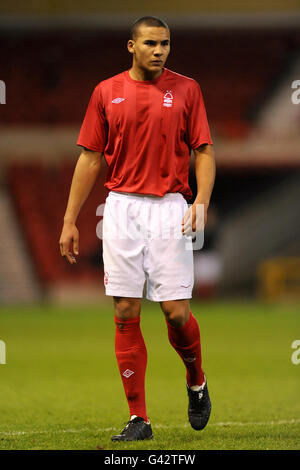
x,y
143,75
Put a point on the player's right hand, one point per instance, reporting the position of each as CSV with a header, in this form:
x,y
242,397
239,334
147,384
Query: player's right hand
x,y
69,238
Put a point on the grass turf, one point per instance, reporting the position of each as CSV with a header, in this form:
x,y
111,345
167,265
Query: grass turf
x,y
60,387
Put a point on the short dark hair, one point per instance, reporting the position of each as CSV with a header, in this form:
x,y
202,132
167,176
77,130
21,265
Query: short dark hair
x,y
147,21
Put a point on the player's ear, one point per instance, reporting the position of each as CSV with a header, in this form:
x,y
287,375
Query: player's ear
x,y
130,46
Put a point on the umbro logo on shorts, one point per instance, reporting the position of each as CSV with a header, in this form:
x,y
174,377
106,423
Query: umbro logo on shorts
x,y
118,100
127,373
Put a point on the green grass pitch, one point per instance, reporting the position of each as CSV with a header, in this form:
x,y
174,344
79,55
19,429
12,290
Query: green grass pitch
x,y
60,387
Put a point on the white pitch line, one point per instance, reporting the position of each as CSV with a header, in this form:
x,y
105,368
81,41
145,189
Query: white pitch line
x,y
155,426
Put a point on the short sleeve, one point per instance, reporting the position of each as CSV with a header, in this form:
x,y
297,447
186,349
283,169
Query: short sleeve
x,y
198,128
93,132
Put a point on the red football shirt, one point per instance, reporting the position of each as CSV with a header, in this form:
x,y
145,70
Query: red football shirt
x,y
146,130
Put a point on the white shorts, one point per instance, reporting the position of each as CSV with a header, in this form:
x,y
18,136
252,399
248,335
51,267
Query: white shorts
x,y
142,241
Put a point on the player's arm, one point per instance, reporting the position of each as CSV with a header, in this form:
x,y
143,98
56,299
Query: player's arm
x,y
205,171
85,174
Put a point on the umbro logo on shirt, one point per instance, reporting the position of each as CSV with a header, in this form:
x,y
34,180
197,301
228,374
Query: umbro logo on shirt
x,y
118,100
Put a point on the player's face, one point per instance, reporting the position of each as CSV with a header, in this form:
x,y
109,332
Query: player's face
x,y
150,48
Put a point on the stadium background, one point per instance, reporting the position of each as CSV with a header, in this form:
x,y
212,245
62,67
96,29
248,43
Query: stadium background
x,y
245,57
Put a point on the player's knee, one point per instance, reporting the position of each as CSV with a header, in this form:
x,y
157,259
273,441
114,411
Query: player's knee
x,y
176,319
126,307
176,313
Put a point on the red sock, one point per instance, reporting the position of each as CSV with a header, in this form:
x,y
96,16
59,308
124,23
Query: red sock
x,y
186,341
131,356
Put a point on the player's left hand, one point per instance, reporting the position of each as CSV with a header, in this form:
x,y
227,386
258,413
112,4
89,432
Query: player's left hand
x,y
69,237
194,219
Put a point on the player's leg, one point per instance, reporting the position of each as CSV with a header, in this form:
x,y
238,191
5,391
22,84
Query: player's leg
x,y
124,280
168,264
131,356
169,271
184,336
